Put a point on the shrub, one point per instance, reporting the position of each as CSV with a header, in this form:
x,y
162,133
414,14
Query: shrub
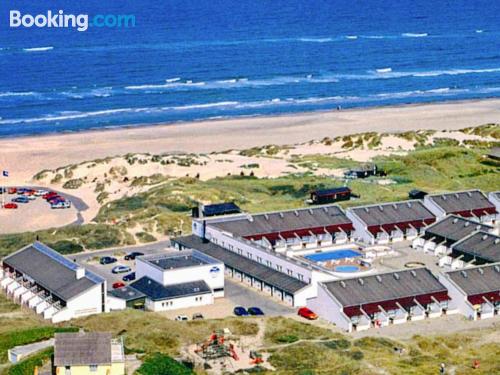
x,y
161,364
73,184
28,365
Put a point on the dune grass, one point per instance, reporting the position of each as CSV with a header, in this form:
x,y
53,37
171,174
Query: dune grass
x,y
165,209
148,332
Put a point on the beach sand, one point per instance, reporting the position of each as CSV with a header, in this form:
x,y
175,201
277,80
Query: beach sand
x,y
23,157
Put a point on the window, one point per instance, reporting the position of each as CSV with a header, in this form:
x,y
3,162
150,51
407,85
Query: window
x,y
93,368
301,277
289,271
259,259
279,268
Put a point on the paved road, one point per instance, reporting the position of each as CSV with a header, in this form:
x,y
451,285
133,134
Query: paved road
x,y
76,202
241,295
105,270
236,293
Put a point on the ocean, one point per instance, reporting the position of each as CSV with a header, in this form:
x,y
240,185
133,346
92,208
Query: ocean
x,y
192,60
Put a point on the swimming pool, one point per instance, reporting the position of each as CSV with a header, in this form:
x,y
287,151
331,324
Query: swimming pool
x,y
333,255
347,268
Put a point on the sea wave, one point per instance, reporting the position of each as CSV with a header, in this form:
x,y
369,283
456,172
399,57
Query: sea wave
x,y
414,35
38,49
308,102
316,40
11,93
234,83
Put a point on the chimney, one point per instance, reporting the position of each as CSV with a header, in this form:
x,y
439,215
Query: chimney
x,y
80,273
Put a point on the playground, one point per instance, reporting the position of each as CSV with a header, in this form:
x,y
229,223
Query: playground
x,y
223,352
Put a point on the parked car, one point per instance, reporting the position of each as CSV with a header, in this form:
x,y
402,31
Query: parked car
x,y
181,318
240,311
133,255
121,269
3,190
118,284
198,316
31,197
49,195
12,190
55,198
20,199
129,277
107,260
10,206
60,204
255,311
41,192
307,313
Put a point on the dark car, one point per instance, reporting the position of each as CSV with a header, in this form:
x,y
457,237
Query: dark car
x,y
21,199
240,311
198,316
129,277
133,255
107,260
255,311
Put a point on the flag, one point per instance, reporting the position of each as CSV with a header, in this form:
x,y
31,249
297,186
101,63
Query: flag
x,y
5,173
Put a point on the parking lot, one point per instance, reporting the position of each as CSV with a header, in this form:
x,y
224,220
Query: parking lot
x,y
90,260
37,214
236,294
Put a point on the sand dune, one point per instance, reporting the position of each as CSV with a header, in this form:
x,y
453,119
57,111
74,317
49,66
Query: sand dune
x,y
25,156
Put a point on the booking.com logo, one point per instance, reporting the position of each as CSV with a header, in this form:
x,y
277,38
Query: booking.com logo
x,y
80,22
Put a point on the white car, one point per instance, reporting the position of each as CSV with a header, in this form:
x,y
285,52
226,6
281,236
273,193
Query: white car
x,y
181,318
61,204
121,269
41,192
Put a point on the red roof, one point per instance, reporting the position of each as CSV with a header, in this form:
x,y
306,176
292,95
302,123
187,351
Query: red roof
x,y
478,298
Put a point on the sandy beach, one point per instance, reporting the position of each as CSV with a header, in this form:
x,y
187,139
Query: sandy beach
x,y
25,156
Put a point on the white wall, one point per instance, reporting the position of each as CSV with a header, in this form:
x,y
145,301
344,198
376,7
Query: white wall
x,y
243,248
329,309
361,229
89,302
180,303
458,298
434,208
492,197
214,279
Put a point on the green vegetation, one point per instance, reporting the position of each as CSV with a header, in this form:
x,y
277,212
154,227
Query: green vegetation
x,y
488,130
314,162
69,239
165,207
16,337
283,330
160,364
148,332
145,237
28,365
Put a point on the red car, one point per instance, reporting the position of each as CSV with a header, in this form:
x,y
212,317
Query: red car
x,y
49,195
118,284
10,206
306,313
12,190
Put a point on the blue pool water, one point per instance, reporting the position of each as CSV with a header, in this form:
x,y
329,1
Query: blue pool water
x,y
347,268
189,60
332,255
